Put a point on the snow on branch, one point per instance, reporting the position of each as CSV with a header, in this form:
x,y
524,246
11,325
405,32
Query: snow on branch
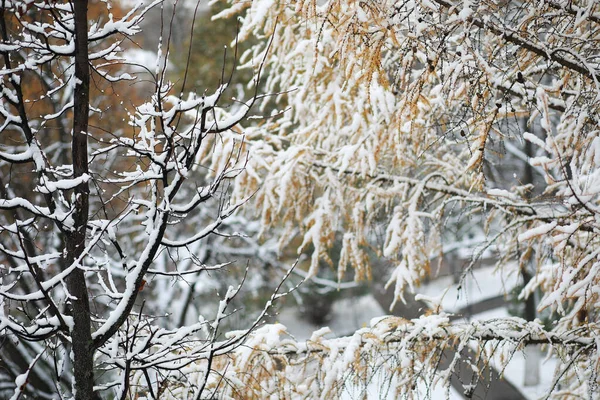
x,y
323,367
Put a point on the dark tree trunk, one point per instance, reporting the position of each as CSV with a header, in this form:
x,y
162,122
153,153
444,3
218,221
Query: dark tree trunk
x,y
75,239
530,306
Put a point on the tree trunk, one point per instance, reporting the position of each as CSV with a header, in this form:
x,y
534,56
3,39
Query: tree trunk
x,y
532,355
83,354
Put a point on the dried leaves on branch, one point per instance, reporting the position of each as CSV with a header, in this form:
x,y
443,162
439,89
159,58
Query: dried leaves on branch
x,y
415,127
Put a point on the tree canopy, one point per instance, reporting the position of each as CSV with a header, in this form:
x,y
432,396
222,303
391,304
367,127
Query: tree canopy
x,y
403,130
416,127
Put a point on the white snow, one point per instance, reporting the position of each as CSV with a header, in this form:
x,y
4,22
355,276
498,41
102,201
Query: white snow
x,y
47,186
347,316
537,231
20,382
501,193
481,284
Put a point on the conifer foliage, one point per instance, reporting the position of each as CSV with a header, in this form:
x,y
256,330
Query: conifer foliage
x,y
417,127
